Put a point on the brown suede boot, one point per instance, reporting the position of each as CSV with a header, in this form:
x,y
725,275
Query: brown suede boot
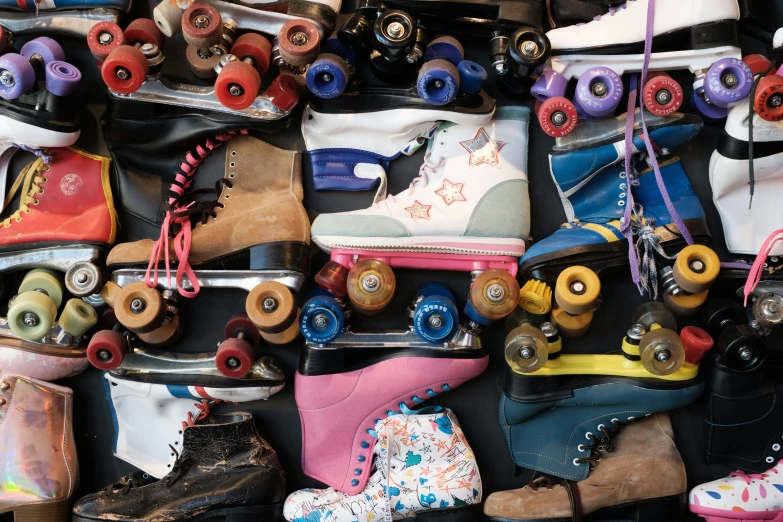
x,y
640,478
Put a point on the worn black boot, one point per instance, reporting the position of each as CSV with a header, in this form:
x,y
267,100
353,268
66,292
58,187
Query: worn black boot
x,y
225,469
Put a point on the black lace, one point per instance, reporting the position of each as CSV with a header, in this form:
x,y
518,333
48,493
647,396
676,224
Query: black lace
x,y
126,483
599,443
751,112
179,466
187,206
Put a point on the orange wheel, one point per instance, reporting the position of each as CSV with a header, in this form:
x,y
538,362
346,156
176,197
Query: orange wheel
x,y
333,278
109,293
139,308
271,307
494,294
165,335
577,290
255,46
202,26
125,69
661,352
571,326
237,85
144,30
286,336
696,268
370,287
299,42
769,98
758,63
685,305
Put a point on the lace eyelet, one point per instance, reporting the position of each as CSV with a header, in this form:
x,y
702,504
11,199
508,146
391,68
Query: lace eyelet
x,y
769,460
233,153
600,427
576,462
588,435
623,194
631,418
622,186
621,203
232,175
232,164
35,202
615,421
42,192
228,196
581,448
27,211
18,220
622,175
46,168
776,447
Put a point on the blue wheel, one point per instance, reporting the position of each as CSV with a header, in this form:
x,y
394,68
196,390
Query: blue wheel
x,y
474,316
471,77
333,45
327,76
446,48
435,318
438,82
321,320
435,289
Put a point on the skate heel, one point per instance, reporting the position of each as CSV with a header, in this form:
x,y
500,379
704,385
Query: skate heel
x,y
471,513
714,34
44,512
281,255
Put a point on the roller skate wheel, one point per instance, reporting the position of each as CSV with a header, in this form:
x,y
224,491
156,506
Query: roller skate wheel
x,y
520,317
526,349
286,336
202,26
696,268
271,307
438,82
370,286
43,281
473,315
571,326
200,66
577,290
107,350
661,352
17,76
437,289
708,111
557,117
333,45
109,293
327,76
728,81
685,305
103,38
299,41
654,313
240,324
529,47
42,50
139,308
145,31
165,335
77,317
234,358
168,17
599,91
662,94
333,278
125,69
321,320
549,84
62,78
471,77
494,294
445,47
283,92
394,29
32,315
535,297
696,343
82,279
237,85
757,63
256,47
768,102
6,39
435,318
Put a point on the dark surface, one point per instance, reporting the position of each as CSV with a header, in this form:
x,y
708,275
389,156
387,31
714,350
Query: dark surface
x,y
476,402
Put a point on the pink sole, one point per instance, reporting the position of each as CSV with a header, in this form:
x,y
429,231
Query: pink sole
x,y
427,261
723,515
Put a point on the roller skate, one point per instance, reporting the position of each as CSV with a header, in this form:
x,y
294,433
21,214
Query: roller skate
x,y
131,62
151,409
69,17
426,481
253,235
701,37
441,222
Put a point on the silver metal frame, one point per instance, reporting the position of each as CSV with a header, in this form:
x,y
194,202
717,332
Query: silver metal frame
x,y
464,339
242,279
55,258
147,361
248,18
69,23
57,343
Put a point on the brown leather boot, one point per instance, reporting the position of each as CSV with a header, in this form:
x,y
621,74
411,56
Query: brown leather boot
x,y
640,478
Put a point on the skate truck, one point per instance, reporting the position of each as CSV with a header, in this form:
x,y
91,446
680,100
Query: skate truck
x,y
131,63
67,17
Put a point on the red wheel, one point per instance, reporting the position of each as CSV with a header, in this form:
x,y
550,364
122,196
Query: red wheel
x,y
202,26
241,323
254,46
103,38
5,39
557,116
696,343
537,107
299,42
333,278
237,85
662,94
145,31
758,63
282,92
107,349
769,98
125,69
234,358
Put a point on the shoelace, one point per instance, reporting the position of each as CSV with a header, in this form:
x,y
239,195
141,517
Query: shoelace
x,y
180,464
598,443
203,413
427,168
178,215
29,180
757,269
38,151
550,481
126,483
756,476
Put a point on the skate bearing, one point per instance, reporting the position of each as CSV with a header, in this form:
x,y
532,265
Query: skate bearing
x,y
200,66
696,268
662,94
577,290
107,349
526,349
494,294
370,286
768,103
661,352
696,343
237,85
271,307
435,317
144,31
255,47
557,116
535,297
298,42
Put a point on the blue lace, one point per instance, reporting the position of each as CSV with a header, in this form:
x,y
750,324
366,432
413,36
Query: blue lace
x,y
405,410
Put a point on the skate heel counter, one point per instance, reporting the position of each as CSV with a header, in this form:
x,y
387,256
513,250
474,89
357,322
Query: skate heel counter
x,y
503,212
714,34
281,255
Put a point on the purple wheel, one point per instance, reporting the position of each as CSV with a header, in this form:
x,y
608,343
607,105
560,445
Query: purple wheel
x,y
445,47
42,49
549,85
327,76
62,78
728,81
580,112
598,91
708,110
438,82
17,76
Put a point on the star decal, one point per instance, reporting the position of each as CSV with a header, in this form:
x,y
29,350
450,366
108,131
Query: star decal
x,y
451,192
419,211
483,149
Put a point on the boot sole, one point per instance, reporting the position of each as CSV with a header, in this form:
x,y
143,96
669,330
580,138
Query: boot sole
x,y
270,512
41,512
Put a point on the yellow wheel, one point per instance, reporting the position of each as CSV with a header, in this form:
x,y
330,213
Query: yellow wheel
x,y
43,281
661,352
494,294
535,297
577,290
109,293
371,287
77,317
166,334
271,307
696,268
286,336
571,326
685,305
139,308
32,315
527,349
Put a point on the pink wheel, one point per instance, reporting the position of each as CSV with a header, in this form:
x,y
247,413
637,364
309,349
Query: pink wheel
x,y
557,116
234,358
107,350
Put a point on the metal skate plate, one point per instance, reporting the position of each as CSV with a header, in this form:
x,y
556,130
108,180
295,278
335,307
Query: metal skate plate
x,y
763,287
199,97
242,279
55,258
68,23
250,19
57,343
462,340
574,65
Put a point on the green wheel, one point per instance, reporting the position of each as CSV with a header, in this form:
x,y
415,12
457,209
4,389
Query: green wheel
x,y
46,280
77,317
32,315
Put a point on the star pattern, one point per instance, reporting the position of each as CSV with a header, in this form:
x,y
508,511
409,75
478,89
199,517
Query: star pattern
x,y
483,149
419,211
451,192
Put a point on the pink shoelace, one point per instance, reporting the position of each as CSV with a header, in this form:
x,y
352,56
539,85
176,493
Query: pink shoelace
x,y
175,217
755,476
757,269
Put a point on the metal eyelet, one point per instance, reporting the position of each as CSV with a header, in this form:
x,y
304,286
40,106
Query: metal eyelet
x,y
631,418
622,175
28,211
232,164
41,193
776,447
35,202
615,421
233,153
46,168
3,402
622,195
581,448
600,427
228,196
4,386
18,220
769,460
576,462
622,186
232,175
588,435
621,203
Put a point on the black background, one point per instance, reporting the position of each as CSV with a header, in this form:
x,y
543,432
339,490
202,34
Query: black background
x,y
476,402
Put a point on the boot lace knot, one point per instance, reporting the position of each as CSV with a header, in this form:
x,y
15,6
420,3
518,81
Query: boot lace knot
x,y
29,181
179,466
427,168
126,483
